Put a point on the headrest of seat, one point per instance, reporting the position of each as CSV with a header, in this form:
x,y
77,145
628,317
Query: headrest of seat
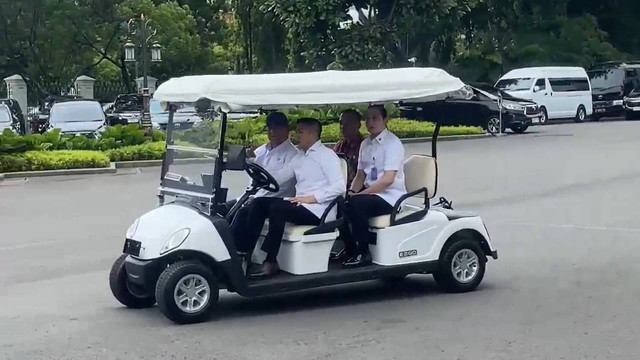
x,y
421,171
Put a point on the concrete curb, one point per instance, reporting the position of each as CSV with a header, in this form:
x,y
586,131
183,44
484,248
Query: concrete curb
x,y
113,168
64,172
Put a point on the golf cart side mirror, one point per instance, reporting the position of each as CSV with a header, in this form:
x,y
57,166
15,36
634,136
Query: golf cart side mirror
x,y
236,158
536,88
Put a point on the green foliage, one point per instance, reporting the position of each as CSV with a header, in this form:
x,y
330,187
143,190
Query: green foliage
x,y
53,160
112,138
149,151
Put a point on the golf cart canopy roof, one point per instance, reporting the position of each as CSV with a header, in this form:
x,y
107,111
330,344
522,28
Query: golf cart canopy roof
x,y
233,93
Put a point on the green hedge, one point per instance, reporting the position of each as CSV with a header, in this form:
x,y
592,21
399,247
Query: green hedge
x,y
149,151
53,160
112,138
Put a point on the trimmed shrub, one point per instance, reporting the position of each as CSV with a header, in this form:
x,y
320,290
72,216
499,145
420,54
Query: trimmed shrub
x,y
53,160
149,151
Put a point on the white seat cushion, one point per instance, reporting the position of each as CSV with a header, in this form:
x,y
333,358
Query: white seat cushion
x,y
384,221
292,232
295,231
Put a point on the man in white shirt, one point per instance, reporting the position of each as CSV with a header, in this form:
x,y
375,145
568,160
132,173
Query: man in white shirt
x,y
319,180
378,184
274,157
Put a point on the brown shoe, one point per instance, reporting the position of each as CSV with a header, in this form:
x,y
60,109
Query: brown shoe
x,y
267,269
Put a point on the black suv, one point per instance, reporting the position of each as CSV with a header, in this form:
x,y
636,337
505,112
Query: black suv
x,y
610,83
480,109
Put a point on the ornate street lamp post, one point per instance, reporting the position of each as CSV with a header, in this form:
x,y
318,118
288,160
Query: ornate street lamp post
x,y
141,26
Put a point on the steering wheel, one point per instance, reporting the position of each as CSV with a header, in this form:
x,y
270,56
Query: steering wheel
x,y
261,177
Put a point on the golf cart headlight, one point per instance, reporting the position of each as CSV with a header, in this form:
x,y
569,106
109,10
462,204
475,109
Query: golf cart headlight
x,y
132,229
617,102
175,240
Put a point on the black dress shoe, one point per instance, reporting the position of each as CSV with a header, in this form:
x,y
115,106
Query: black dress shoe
x,y
358,260
340,256
267,269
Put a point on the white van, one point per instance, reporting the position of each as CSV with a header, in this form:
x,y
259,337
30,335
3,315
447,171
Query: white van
x,y
561,92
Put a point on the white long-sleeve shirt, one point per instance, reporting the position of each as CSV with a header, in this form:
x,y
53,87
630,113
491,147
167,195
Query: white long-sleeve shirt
x,y
318,172
275,161
383,153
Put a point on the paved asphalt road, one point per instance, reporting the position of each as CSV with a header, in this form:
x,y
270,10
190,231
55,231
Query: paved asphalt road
x,y
560,202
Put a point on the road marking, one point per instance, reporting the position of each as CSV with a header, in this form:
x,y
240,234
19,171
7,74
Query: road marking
x,y
23,246
569,226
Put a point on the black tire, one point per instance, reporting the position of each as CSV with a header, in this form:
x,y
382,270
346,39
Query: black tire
x,y
445,277
581,114
493,125
119,288
545,116
519,129
169,280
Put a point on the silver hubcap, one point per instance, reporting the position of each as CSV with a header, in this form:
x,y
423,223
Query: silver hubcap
x,y
581,114
192,293
465,266
493,126
543,118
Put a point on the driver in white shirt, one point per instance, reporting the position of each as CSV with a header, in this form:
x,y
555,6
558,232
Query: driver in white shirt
x,y
274,157
319,180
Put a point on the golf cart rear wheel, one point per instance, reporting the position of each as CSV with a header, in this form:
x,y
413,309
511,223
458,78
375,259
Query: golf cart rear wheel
x,y
187,292
120,289
462,266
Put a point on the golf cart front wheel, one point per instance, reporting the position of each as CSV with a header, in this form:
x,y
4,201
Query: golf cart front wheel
x,y
120,289
462,266
187,292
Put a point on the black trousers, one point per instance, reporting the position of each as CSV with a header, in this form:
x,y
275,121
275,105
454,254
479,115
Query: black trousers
x,y
359,209
239,225
279,212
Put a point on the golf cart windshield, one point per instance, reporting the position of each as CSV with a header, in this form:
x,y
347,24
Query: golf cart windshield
x,y
205,144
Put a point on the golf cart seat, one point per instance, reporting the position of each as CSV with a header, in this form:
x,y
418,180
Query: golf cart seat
x,y
421,180
305,249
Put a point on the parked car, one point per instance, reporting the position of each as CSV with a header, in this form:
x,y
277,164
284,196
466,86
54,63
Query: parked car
x,y
561,92
6,119
481,109
184,118
41,117
611,82
84,117
18,121
632,105
126,109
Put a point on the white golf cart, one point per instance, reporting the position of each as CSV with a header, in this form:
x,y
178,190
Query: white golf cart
x,y
180,254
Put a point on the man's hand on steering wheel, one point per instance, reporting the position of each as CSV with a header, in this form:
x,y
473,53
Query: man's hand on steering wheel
x,y
261,177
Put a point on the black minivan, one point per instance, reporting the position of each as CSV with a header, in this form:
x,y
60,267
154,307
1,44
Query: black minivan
x,y
610,83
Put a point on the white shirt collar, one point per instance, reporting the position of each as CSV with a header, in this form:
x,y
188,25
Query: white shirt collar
x,y
314,147
282,144
380,138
